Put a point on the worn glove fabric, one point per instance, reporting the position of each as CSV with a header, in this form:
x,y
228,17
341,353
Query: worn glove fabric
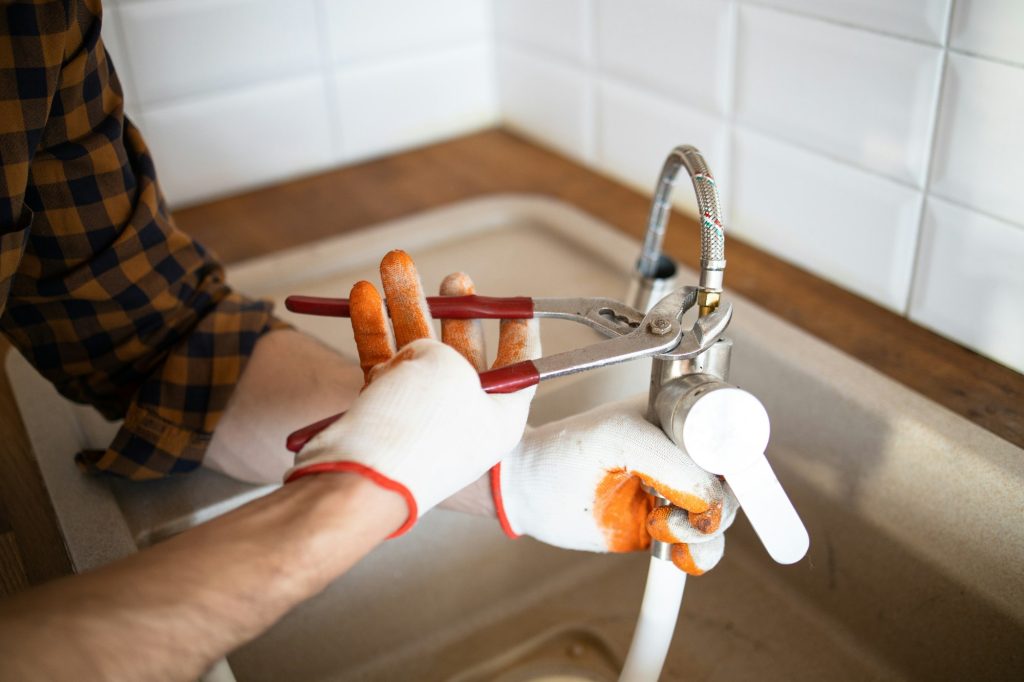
x,y
422,425
577,483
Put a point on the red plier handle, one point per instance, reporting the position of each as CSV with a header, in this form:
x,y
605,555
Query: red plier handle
x,y
502,380
631,334
508,379
441,307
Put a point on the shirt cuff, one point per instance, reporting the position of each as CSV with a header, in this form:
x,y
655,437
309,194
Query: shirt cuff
x,y
170,421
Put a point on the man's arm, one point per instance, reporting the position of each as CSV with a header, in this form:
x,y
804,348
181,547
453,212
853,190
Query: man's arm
x,y
170,611
188,601
293,380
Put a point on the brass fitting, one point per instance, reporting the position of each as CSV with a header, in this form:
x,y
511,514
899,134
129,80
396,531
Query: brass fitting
x,y
707,301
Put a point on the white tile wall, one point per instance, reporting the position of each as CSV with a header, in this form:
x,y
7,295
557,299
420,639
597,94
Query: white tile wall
x,y
923,20
970,283
788,73
548,102
365,30
112,34
875,143
558,27
830,125
410,102
854,228
677,47
990,28
179,48
233,94
229,142
978,152
638,128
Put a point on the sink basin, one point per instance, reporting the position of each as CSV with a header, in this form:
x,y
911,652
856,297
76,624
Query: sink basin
x,y
915,562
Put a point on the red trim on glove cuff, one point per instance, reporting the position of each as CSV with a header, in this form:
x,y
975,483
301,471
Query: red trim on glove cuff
x,y
499,503
372,474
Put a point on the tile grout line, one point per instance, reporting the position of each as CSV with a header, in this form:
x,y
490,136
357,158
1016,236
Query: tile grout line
x,y
942,44
733,127
494,41
530,53
986,58
297,75
929,168
490,43
592,115
140,119
959,203
327,73
844,24
731,49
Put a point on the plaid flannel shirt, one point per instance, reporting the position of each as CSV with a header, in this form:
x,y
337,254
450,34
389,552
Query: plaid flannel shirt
x,y
98,288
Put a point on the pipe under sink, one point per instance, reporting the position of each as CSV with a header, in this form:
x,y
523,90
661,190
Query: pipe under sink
x,y
914,569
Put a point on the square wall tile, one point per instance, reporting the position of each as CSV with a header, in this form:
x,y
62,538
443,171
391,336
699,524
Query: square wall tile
x,y
979,155
919,19
990,28
862,97
218,145
547,101
679,47
555,26
637,131
970,281
845,225
178,48
400,104
364,30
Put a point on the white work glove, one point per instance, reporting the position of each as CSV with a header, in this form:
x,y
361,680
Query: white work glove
x,y
422,425
577,484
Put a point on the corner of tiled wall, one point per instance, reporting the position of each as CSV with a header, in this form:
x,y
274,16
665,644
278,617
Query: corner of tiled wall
x,y
876,144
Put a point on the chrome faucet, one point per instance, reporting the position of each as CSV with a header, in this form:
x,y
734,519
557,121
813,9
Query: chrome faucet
x,y
655,272
679,384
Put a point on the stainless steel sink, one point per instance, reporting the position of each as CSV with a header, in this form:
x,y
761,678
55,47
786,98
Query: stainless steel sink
x,y
914,513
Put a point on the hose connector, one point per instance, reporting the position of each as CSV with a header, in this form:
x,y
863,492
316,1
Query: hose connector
x,y
652,262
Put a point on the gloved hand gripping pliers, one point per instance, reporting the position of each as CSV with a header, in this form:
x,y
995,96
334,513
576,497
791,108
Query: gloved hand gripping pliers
x,y
631,334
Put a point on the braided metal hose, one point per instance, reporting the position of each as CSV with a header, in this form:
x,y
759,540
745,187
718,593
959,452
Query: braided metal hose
x,y
712,239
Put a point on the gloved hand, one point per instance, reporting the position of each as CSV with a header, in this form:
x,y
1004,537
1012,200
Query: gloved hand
x,y
422,425
577,483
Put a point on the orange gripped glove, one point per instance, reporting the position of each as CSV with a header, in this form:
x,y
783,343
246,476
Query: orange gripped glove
x,y
422,425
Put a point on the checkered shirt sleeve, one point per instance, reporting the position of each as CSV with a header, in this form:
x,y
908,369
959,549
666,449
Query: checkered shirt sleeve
x,y
98,288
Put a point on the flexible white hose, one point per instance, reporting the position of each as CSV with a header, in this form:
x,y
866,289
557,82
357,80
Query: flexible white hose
x,y
659,610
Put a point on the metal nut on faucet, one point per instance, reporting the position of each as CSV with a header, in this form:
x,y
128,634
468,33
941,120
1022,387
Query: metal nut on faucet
x,y
661,326
707,301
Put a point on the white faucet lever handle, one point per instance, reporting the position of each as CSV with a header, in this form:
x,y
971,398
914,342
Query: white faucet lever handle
x,y
726,432
770,511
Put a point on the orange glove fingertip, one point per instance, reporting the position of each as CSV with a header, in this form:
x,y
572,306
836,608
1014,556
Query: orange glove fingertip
x,y
683,560
374,340
410,315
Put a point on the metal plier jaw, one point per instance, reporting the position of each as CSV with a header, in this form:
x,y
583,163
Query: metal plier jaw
x,y
703,334
632,334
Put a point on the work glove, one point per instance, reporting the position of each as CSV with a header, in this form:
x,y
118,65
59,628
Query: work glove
x,y
422,426
579,484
